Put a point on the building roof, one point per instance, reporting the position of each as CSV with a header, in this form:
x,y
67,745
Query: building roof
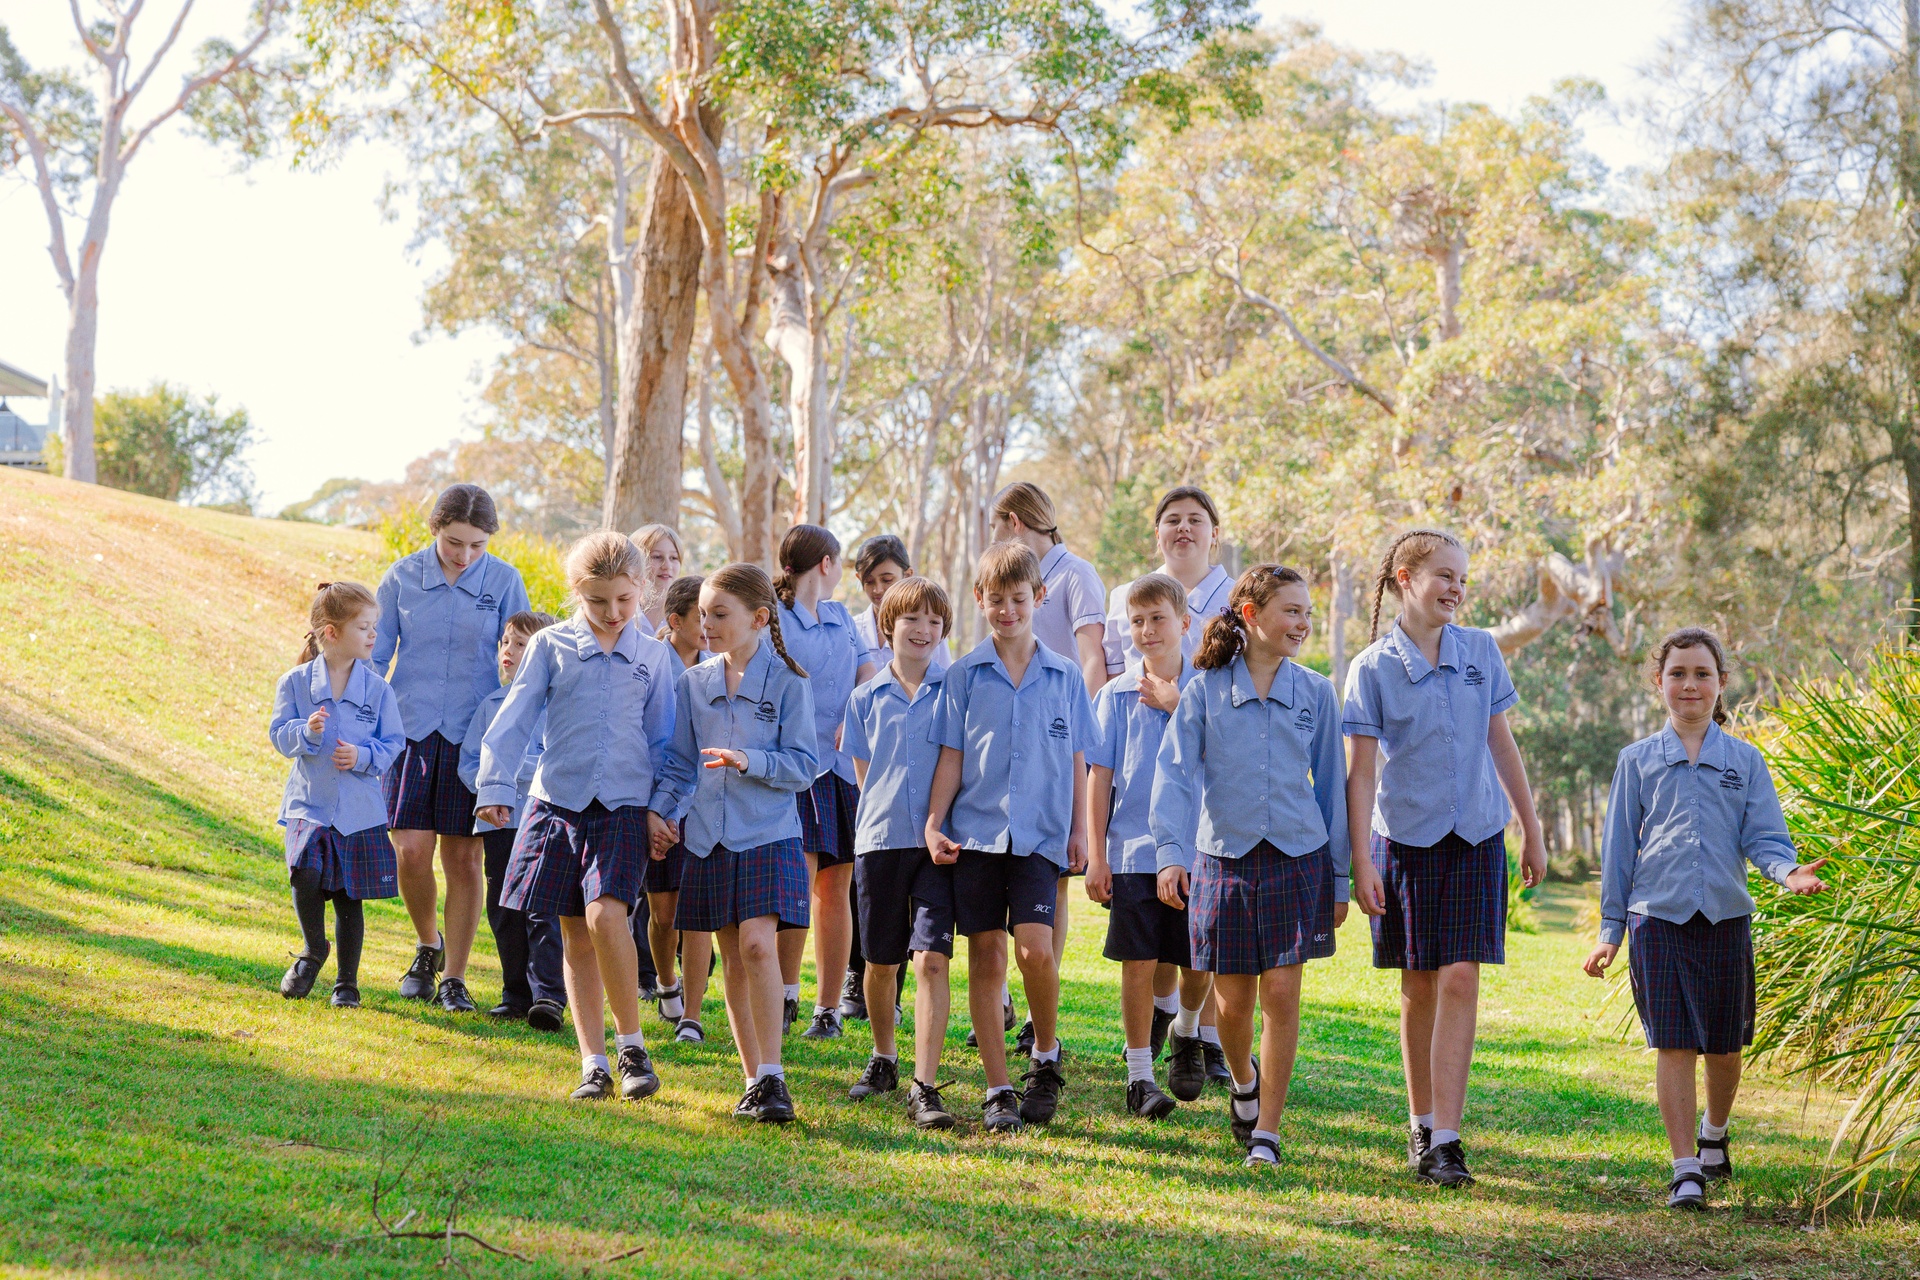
x,y
18,382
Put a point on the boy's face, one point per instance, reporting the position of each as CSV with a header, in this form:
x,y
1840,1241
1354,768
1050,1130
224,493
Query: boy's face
x,y
512,645
1157,630
1009,611
915,634
879,578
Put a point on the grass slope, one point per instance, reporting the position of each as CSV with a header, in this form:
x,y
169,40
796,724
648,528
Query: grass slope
x,y
168,1114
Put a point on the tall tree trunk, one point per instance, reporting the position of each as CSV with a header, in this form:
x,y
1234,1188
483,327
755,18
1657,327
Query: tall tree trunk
x,y
1339,613
1908,328
796,333
643,473
83,331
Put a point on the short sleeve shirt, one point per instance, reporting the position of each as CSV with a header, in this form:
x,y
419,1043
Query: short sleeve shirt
x,y
1075,597
829,648
1207,600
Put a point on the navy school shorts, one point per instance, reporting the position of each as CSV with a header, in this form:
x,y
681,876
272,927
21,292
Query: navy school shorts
x,y
1693,983
1261,911
664,876
1446,903
360,864
565,858
904,904
424,791
997,891
827,811
729,886
1142,927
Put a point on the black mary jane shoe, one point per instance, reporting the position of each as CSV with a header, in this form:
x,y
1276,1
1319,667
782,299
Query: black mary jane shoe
x,y
1720,1169
301,975
345,996
1687,1191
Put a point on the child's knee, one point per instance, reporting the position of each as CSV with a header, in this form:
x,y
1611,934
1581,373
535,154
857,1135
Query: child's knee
x,y
930,966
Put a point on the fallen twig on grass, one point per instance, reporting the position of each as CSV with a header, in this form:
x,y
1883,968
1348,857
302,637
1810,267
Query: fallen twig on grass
x,y
389,1181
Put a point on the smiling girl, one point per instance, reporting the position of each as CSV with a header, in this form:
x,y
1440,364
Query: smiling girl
x,y
1431,756
1186,530
664,553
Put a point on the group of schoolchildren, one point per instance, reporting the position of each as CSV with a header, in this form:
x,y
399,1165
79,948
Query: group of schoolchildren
x,y
740,760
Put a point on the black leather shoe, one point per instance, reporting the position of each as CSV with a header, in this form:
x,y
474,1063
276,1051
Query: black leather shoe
x,y
637,1077
1041,1098
1722,1168
853,997
1145,1100
1023,1043
776,1104
748,1108
881,1076
419,981
926,1109
507,1012
1002,1112
596,1086
345,996
453,996
825,1026
1157,1038
546,1015
1187,1068
301,975
1217,1072
788,1013
1445,1165
1419,1138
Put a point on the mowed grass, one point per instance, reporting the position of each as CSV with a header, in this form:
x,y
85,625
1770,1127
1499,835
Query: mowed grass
x,y
166,1113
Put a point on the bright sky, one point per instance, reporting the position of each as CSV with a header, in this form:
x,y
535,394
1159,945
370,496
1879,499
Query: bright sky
x,y
287,293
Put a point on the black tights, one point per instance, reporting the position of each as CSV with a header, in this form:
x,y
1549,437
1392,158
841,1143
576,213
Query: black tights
x,y
349,923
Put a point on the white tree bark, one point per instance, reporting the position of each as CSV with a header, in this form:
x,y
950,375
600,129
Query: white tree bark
x,y
1579,592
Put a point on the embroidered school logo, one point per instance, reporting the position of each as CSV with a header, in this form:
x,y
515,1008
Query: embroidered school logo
x,y
1474,675
366,715
1058,729
1305,719
486,601
1731,781
1044,908
644,674
766,713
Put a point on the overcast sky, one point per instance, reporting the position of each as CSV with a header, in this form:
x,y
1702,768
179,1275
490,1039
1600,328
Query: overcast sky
x,y
287,292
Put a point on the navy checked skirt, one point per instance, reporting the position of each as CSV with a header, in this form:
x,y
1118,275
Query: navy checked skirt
x,y
728,886
1693,982
565,858
1262,911
424,791
362,863
1446,903
664,876
827,810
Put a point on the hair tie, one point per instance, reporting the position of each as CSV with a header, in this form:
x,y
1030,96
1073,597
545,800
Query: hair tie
x,y
323,586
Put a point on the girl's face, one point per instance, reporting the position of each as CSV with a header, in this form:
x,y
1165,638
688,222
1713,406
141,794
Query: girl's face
x,y
1010,611
1156,628
663,563
915,634
512,646
459,545
609,603
727,625
1691,684
882,576
1185,532
353,639
685,627
1284,622
1432,592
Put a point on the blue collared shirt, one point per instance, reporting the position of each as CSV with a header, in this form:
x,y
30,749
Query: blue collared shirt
x,y
770,718
1075,597
483,717
829,648
447,638
366,715
1129,744
1017,748
1679,835
868,625
609,717
895,738
1207,600
1236,769
1437,773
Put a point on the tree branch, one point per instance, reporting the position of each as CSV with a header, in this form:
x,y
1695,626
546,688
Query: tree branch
x,y
1320,353
199,82
43,179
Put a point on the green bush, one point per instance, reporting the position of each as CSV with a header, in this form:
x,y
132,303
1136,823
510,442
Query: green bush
x,y
538,559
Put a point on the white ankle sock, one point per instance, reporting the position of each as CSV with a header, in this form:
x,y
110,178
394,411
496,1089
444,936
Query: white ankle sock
x,y
1047,1055
771,1069
1685,1164
1442,1136
995,1090
1139,1065
1186,1023
1169,1003
588,1061
820,1009
1006,998
1261,1153
1245,1098
1425,1121
886,1057
637,1040
1713,1132
1210,1035
793,990
674,1007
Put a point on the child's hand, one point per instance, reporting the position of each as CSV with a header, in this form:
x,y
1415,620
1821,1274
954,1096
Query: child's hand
x,y
1100,881
494,815
317,722
1803,881
1339,914
1161,695
1533,861
1077,851
1174,887
945,851
725,758
345,755
662,835
1599,958
1368,889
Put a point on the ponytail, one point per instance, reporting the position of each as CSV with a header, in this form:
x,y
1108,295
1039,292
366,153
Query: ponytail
x,y
335,604
1221,642
1408,551
1226,635
749,584
804,547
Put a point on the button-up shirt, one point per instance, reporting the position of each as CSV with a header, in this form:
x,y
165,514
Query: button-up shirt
x,y
609,716
1236,769
894,735
868,625
830,650
366,716
469,768
447,637
769,719
1075,597
1437,773
1128,742
1679,835
1017,747
1207,601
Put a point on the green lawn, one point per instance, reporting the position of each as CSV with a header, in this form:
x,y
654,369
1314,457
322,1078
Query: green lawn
x,y
168,1114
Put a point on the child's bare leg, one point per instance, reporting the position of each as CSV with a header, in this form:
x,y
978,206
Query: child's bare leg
x,y
932,1006
1418,993
1723,1084
734,987
1456,1013
1138,980
662,938
1279,1040
760,957
584,992
882,984
1040,978
986,970
1679,1098
618,961
696,953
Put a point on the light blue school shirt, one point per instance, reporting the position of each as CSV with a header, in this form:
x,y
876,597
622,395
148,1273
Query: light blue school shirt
x,y
1236,769
365,716
1437,773
1679,835
1075,596
868,625
1017,747
895,737
447,637
830,650
1128,742
609,717
1207,601
483,716
771,719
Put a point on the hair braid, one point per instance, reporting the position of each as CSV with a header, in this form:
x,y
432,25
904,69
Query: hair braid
x,y
1400,555
749,584
780,644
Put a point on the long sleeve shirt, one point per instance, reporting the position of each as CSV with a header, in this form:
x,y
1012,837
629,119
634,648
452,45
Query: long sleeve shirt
x,y
1679,835
828,647
469,767
1236,769
366,716
442,639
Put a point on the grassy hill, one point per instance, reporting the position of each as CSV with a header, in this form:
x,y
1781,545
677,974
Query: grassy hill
x,y
166,1113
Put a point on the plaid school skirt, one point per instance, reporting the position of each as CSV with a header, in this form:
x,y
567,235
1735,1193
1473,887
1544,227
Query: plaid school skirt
x,y
1693,982
1262,911
565,858
827,811
728,886
360,863
664,876
1446,903
424,791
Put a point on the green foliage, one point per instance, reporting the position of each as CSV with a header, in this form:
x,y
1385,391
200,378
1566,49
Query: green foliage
x,y
167,443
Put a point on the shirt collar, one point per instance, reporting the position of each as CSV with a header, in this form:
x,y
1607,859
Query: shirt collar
x,y
887,682
588,646
1713,751
1128,681
1207,589
432,575
1053,557
753,681
320,686
807,618
1280,691
1418,668
985,655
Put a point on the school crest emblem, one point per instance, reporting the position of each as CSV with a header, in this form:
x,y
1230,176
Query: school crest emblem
x,y
1731,780
486,601
643,674
1058,729
1473,675
1304,720
766,713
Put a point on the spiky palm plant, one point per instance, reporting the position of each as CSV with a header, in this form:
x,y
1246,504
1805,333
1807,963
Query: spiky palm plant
x,y
1839,996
